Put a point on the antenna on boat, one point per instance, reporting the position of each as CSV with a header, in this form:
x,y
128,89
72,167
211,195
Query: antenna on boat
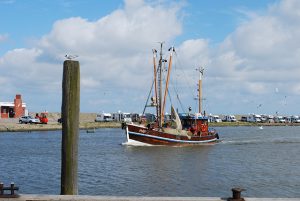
x,y
201,71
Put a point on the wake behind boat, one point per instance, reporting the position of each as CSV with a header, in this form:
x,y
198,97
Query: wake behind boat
x,y
183,129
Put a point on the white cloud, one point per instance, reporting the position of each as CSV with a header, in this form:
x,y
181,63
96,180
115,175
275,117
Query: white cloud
x,y
267,41
15,57
260,55
194,50
118,44
121,32
89,82
114,51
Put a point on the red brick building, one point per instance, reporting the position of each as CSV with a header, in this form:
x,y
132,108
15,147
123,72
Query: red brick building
x,y
12,109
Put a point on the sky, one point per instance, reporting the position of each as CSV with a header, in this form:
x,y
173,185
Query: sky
x,y
249,50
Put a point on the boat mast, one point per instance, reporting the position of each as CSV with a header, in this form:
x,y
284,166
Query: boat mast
x,y
200,69
159,109
155,80
167,81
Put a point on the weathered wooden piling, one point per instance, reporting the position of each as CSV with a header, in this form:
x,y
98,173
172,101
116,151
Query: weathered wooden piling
x,y
70,127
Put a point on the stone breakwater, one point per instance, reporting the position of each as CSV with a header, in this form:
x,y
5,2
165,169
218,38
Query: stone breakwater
x,y
86,121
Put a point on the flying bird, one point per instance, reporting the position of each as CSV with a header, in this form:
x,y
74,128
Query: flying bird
x,y
70,57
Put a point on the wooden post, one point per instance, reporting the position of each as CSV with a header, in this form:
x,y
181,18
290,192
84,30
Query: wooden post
x,y
12,188
1,188
70,127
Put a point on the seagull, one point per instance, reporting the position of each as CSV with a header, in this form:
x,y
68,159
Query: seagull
x,y
70,57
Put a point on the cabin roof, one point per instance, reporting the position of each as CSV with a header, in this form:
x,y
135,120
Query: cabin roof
x,y
191,116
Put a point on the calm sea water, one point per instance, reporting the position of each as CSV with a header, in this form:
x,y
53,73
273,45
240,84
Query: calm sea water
x,y
265,162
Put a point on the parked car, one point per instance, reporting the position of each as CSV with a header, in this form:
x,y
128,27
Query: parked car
x,y
214,118
28,119
288,119
229,118
244,118
268,118
295,119
103,117
279,119
254,118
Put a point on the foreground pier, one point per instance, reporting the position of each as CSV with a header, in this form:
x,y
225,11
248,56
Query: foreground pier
x,y
9,194
128,198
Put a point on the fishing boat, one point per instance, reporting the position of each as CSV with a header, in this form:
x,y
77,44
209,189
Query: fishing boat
x,y
180,129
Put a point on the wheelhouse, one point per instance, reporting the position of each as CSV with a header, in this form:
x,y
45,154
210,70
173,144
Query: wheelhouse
x,y
197,124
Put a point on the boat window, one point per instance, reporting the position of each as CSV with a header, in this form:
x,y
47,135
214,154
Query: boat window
x,y
187,123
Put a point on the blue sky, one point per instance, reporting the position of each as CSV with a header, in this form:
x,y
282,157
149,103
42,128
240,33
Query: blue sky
x,y
248,48
24,20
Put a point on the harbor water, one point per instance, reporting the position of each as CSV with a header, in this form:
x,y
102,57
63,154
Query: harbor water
x,y
266,162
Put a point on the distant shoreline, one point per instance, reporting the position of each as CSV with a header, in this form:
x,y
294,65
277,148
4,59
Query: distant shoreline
x,y
17,127
87,121
240,123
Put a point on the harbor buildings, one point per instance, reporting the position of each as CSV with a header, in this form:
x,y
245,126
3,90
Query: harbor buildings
x,y
13,109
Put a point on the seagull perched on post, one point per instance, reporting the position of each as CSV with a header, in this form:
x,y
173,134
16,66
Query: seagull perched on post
x,y
70,57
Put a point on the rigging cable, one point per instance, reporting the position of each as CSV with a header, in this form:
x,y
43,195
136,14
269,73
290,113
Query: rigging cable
x,y
174,85
177,96
148,97
170,98
175,90
191,89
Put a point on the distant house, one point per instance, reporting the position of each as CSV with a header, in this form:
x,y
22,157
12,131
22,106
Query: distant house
x,y
13,109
